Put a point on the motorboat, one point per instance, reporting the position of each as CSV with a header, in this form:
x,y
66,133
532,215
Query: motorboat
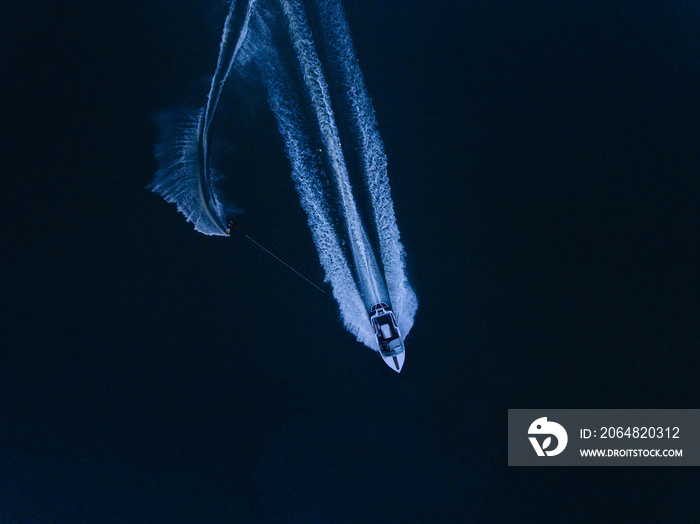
x,y
386,330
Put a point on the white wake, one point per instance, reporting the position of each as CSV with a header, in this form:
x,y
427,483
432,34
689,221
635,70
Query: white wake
x,y
294,64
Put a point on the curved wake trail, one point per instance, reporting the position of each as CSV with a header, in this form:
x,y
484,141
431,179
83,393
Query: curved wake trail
x,y
234,35
184,175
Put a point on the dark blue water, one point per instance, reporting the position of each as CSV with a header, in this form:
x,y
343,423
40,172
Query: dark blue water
x,y
543,161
